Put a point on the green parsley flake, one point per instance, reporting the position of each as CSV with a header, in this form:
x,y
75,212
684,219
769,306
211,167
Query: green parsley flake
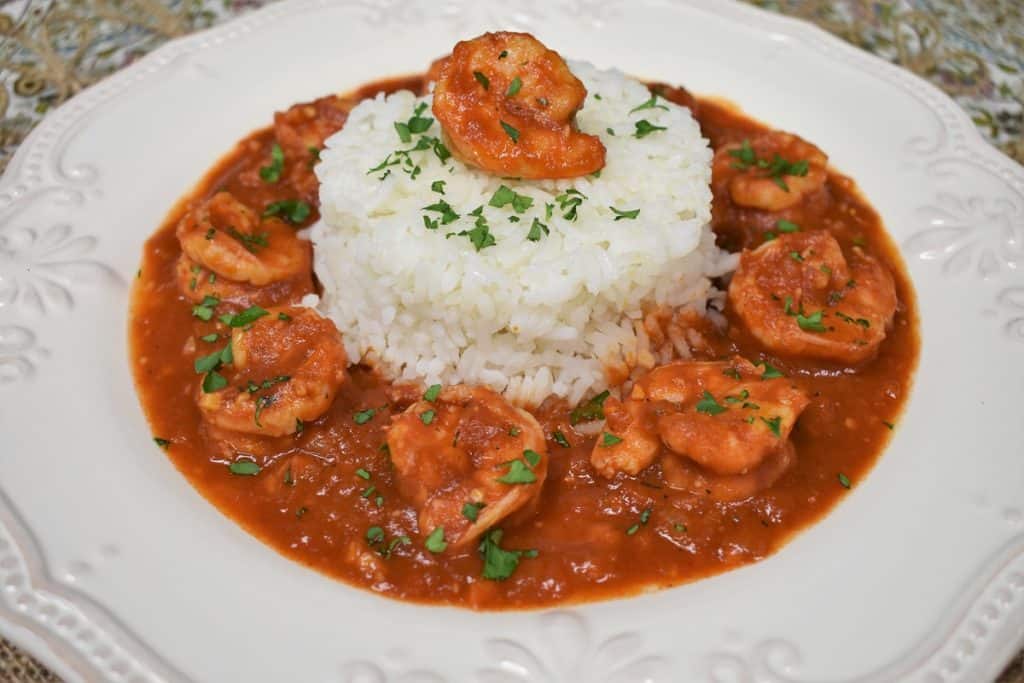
x,y
471,511
480,236
630,214
431,394
499,564
245,468
363,474
787,226
427,416
162,443
610,439
649,104
294,211
437,186
435,542
246,317
514,87
482,80
537,230
560,439
214,381
518,473
272,173
770,372
364,416
591,410
709,406
210,338
404,134
532,457
844,481
774,424
442,207
284,317
503,54
811,323
645,128
204,310
511,132
374,534
504,196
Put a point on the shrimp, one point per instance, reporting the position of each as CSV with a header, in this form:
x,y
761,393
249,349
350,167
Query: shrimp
x,y
228,238
507,105
774,171
301,131
287,368
714,422
198,283
800,296
468,459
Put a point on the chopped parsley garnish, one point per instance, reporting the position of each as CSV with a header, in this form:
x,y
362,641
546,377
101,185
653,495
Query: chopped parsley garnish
x,y
301,512
505,196
162,443
609,131
787,226
774,424
480,236
644,517
294,211
591,410
619,215
289,480
569,201
363,474
796,256
513,431
681,528
537,230
503,54
364,416
775,169
709,406
471,511
442,207
511,132
210,338
532,457
863,322
437,186
645,128
272,173
435,542
374,534
251,242
284,317
890,425
649,104
610,439
427,416
432,392
245,468
844,481
214,381
743,396
404,134
204,310
246,317
770,372
560,439
299,426
262,403
499,564
518,473
514,87
368,491
266,384
811,323
732,372
482,80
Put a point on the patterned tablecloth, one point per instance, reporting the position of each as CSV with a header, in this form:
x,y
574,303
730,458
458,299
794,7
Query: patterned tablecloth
x,y
51,49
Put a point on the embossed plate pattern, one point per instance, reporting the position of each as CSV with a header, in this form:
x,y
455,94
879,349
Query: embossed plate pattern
x,y
113,568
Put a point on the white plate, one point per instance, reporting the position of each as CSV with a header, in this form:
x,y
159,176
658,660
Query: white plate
x,y
113,568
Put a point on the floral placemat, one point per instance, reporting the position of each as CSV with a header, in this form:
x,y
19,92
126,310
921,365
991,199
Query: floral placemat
x,y
52,49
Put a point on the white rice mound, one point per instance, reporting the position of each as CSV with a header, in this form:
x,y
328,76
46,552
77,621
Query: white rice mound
x,y
527,318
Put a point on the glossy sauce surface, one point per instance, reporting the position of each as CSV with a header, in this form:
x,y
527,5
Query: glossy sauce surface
x,y
312,498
